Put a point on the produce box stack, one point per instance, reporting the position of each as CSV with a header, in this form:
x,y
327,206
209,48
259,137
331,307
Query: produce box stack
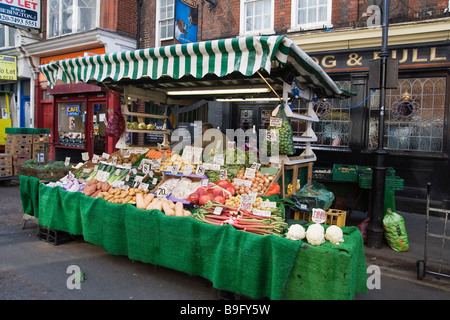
x,y
40,147
19,142
6,165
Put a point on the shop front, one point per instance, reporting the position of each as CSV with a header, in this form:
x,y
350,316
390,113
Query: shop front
x,y
416,133
77,115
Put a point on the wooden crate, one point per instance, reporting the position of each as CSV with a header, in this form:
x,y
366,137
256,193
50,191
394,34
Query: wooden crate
x,y
334,217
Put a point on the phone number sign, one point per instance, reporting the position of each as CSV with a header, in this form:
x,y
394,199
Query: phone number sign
x,y
25,13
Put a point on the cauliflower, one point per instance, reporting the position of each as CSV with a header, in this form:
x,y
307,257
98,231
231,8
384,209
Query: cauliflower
x,y
334,235
295,232
315,234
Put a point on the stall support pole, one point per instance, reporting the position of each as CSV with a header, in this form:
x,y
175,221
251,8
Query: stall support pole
x,y
375,230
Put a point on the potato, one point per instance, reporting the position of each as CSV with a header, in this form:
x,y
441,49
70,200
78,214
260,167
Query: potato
x,y
90,189
92,181
105,186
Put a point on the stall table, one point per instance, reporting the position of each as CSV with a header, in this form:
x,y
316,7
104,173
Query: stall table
x,y
245,263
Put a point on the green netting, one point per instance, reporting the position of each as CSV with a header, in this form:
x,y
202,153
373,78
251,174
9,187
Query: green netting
x,y
248,264
29,194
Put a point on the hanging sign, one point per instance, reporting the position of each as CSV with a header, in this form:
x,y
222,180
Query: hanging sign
x,y
186,21
25,13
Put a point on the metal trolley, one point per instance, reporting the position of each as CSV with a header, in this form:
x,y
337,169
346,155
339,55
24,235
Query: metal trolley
x,y
422,264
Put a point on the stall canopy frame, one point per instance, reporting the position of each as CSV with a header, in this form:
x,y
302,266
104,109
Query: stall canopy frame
x,y
236,63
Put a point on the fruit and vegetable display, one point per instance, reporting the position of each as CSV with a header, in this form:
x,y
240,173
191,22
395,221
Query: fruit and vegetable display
x,y
279,135
254,181
140,126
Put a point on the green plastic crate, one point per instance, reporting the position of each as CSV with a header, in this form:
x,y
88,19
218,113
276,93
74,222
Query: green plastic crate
x,y
345,172
14,130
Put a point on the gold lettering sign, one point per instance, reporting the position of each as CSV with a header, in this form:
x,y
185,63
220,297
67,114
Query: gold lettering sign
x,y
190,3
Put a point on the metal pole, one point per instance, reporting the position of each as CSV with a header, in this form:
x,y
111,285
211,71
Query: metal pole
x,y
375,230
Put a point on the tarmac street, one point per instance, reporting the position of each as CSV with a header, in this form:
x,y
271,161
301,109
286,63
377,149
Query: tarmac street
x,y
32,269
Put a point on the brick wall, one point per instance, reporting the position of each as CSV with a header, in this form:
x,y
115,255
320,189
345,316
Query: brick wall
x,y
223,20
127,17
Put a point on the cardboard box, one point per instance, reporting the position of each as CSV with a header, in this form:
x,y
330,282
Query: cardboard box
x,y
18,161
6,160
6,172
39,138
18,150
19,139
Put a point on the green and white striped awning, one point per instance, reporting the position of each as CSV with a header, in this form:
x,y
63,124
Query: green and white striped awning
x,y
236,58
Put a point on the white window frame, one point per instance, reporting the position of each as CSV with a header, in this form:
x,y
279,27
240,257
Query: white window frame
x,y
309,26
7,34
158,38
242,25
74,20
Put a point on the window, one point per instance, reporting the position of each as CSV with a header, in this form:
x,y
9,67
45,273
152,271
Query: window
x,y
311,14
7,36
414,117
256,17
166,19
333,129
71,124
72,16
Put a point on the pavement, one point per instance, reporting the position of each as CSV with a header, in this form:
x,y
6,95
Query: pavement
x,y
415,227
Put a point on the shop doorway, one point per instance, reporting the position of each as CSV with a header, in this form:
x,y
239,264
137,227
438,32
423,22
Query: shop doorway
x,y
99,112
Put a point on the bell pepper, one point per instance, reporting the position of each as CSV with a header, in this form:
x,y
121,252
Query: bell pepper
x,y
274,188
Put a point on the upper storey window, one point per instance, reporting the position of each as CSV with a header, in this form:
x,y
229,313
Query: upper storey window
x,y
311,14
257,17
72,16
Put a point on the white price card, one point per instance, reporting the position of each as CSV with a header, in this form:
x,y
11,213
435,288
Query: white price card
x,y
85,156
268,204
200,170
161,193
187,153
143,186
187,170
145,167
175,168
156,164
105,155
231,145
223,174
67,161
263,213
318,215
102,176
276,122
218,210
95,158
250,173
114,160
272,135
219,159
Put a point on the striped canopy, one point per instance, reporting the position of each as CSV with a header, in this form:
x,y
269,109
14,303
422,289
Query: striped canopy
x,y
236,58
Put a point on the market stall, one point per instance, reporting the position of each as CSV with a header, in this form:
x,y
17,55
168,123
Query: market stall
x,y
197,212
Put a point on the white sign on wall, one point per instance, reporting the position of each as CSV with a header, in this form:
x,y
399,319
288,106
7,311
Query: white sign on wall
x,y
25,13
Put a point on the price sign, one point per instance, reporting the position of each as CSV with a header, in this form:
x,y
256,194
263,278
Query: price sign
x,y
272,135
175,168
200,170
197,155
318,215
102,176
156,164
268,204
231,145
117,184
187,153
105,155
95,158
276,122
219,159
243,183
263,213
146,168
126,153
161,193
218,210
85,156
256,166
223,174
67,161
250,173
215,167
143,186
188,169
114,161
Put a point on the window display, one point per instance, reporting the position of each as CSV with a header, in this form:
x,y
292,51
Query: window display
x,y
71,124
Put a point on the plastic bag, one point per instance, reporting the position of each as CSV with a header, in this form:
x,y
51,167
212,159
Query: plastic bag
x,y
310,196
279,135
116,124
395,231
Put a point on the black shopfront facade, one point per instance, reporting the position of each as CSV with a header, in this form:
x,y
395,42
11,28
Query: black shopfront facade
x,y
417,119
